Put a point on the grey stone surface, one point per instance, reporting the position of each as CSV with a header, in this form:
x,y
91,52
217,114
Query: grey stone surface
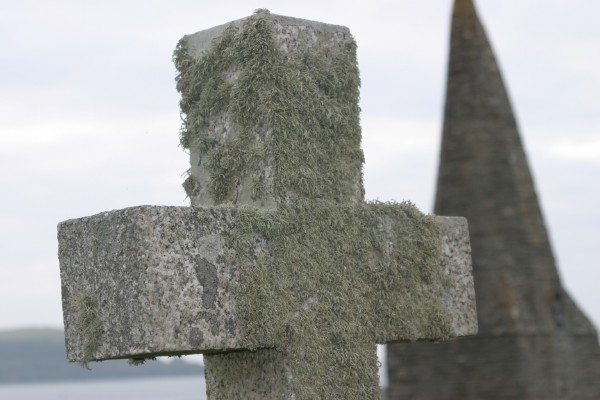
x,y
291,32
148,281
161,277
533,341
456,260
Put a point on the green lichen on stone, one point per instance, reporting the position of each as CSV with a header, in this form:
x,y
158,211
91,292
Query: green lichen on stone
x,y
190,185
326,267
88,324
297,111
186,314
62,249
95,244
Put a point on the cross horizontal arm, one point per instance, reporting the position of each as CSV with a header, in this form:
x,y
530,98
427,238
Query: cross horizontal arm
x,y
148,281
459,298
157,278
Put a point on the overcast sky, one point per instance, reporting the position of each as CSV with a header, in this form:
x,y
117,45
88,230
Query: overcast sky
x,y
89,117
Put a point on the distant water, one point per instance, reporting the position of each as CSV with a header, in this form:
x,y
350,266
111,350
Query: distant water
x,y
181,388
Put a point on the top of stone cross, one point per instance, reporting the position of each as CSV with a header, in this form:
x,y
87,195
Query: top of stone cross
x,y
199,42
270,115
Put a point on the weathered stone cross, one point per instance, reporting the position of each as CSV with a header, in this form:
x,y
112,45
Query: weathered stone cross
x,y
280,273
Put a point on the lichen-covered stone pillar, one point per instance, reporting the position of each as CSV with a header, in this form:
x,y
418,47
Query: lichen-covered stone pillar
x,y
271,112
271,116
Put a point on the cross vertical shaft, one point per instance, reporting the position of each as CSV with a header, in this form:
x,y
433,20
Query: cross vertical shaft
x,y
281,90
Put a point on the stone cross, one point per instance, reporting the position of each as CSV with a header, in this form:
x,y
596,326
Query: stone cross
x,y
280,274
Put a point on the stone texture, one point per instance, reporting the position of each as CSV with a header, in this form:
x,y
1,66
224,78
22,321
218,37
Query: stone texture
x,y
292,35
159,276
456,260
533,341
163,281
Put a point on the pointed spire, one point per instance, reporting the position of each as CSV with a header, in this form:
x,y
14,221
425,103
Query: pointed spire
x,y
464,9
533,341
484,176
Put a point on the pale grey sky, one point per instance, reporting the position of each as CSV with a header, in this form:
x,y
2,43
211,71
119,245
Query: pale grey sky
x,y
89,117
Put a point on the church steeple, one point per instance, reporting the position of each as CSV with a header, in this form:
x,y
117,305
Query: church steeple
x,y
484,176
533,341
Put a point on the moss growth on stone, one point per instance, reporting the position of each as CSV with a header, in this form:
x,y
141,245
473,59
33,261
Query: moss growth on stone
x,y
297,111
95,244
88,324
135,362
326,261
190,185
324,268
62,250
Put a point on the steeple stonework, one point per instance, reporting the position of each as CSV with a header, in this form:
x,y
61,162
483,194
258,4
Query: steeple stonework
x,y
533,341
